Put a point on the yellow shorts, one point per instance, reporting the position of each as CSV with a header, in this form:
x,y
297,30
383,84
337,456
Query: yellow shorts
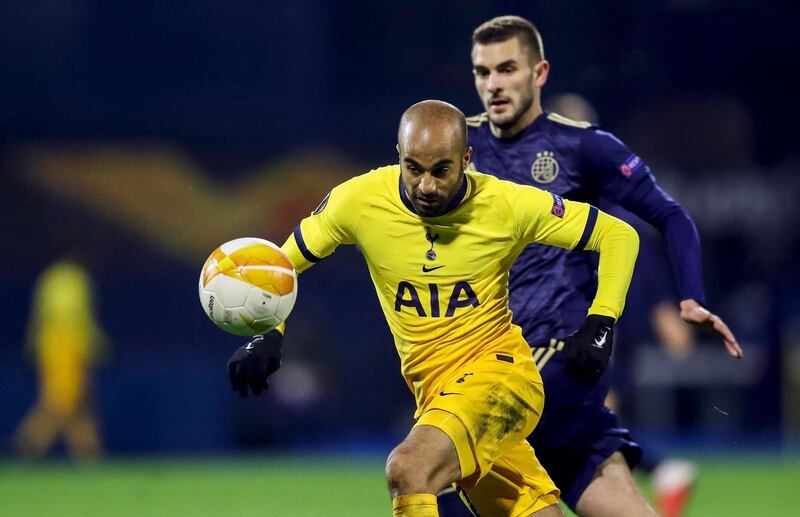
x,y
487,409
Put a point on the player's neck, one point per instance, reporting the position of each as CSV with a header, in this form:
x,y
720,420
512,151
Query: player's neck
x,y
524,121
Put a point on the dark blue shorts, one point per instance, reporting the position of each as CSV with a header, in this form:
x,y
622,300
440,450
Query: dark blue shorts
x,y
577,432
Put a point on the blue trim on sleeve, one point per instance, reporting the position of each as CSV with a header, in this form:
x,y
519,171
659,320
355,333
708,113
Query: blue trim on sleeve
x,y
588,229
298,237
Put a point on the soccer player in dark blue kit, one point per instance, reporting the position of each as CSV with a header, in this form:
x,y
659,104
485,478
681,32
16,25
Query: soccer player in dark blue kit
x,y
578,440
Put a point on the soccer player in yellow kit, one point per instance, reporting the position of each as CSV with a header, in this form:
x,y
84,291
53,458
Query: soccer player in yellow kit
x,y
439,241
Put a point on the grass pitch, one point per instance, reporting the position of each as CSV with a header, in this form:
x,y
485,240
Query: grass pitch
x,y
306,486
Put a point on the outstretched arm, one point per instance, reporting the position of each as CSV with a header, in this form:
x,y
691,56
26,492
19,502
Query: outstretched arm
x,y
626,180
316,237
683,248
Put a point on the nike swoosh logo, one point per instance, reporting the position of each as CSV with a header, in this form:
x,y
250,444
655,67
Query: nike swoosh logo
x,y
249,346
428,270
598,343
446,393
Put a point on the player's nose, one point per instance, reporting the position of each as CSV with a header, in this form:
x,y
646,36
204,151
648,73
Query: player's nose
x,y
427,185
493,83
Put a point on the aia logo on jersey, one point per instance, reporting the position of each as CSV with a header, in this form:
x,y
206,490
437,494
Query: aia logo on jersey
x,y
632,164
461,297
558,206
545,168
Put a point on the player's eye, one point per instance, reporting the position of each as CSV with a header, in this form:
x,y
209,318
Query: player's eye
x,y
480,72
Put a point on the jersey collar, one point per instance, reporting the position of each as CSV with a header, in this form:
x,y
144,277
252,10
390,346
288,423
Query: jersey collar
x,y
459,197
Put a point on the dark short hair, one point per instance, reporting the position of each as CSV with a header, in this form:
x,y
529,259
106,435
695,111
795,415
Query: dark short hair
x,y
503,28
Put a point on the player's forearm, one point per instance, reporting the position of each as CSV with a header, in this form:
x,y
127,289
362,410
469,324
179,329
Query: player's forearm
x,y
618,245
681,239
683,248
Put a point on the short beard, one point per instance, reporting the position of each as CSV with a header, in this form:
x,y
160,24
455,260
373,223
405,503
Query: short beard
x,y
517,115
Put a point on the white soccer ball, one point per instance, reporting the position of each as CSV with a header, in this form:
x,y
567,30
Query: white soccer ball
x,y
248,286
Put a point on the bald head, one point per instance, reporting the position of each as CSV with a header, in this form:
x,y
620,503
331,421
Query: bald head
x,y
432,144
433,122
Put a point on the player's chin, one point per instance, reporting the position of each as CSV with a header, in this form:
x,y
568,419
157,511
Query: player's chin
x,y
502,120
430,209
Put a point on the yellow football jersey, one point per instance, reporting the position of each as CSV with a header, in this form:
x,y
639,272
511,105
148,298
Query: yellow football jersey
x,y
442,281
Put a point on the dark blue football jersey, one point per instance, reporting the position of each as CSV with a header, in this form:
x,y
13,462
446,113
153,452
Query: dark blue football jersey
x,y
552,288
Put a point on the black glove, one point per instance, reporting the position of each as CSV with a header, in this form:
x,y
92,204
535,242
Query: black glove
x,y
588,349
254,362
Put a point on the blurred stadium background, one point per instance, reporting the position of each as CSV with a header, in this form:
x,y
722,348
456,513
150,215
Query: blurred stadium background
x,y
147,133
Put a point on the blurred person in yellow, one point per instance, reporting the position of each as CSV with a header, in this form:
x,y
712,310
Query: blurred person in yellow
x,y
65,341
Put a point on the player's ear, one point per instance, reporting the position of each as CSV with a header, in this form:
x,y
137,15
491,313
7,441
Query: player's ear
x,y
467,157
540,72
398,149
